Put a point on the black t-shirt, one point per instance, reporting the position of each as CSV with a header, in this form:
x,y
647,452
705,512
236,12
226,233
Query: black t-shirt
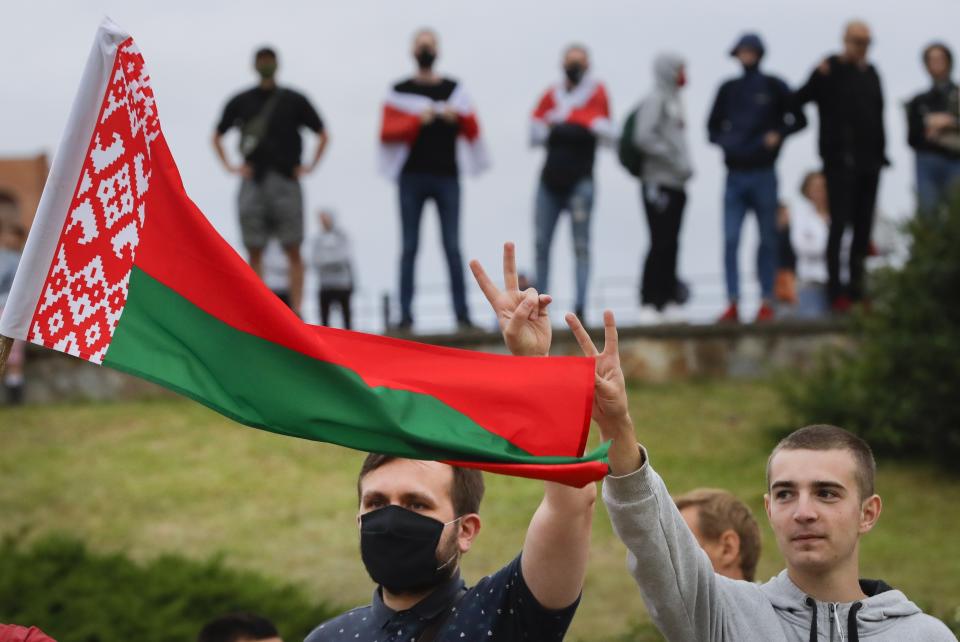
x,y
500,608
435,149
570,154
281,147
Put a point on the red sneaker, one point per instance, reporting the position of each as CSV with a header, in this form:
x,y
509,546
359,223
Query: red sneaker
x,y
765,314
841,305
730,315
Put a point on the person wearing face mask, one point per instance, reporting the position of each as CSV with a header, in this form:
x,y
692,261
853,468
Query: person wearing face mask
x,y
933,121
270,201
659,135
417,519
750,118
846,89
571,117
428,136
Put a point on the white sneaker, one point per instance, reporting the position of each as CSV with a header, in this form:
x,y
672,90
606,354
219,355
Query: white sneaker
x,y
649,315
674,313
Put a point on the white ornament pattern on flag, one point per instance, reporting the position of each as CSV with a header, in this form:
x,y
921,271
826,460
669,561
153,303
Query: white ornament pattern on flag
x,y
86,289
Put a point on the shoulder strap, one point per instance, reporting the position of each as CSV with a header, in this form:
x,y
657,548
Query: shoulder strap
x,y
254,130
268,107
429,634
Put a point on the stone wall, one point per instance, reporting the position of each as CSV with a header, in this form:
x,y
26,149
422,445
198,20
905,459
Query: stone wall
x,y
650,354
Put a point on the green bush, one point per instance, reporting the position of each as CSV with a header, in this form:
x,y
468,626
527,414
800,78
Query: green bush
x,y
899,386
76,595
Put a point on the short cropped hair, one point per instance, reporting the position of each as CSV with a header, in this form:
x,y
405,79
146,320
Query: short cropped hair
x,y
265,52
827,437
719,511
233,627
942,47
466,490
576,46
426,31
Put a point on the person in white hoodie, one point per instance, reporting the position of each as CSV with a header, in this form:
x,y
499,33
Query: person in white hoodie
x,y
660,136
820,502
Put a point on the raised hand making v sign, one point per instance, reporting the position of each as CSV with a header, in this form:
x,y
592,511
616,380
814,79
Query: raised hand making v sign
x,y
610,409
522,314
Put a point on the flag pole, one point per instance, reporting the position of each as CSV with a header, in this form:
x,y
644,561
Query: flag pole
x,y
5,344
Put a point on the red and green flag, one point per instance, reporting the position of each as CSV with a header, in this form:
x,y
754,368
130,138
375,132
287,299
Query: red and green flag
x,y
122,269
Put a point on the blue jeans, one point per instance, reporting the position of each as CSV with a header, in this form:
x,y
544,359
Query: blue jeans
x,y
937,175
812,301
415,190
549,206
750,190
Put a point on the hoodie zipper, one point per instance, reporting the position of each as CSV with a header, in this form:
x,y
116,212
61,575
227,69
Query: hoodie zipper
x,y
835,618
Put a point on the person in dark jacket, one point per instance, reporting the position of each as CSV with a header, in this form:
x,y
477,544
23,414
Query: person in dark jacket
x,y
933,121
847,91
751,116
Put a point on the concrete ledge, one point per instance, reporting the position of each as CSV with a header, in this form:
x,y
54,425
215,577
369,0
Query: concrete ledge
x,y
682,351
648,353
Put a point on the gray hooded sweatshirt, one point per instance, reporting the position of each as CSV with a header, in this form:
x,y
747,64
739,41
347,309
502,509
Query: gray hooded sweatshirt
x,y
690,603
659,128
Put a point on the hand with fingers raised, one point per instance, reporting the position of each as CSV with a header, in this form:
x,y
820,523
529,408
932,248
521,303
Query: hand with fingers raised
x,y
522,314
611,410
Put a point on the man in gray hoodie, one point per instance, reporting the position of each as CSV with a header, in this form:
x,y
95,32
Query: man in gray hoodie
x,y
820,501
659,136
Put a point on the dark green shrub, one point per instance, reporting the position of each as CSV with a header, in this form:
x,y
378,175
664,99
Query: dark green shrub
x,y
76,595
899,387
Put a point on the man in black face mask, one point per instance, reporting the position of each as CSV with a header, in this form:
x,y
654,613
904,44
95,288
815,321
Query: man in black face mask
x,y
270,201
430,134
571,117
418,518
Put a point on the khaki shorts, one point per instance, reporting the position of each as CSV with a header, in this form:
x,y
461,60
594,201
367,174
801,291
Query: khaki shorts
x,y
271,207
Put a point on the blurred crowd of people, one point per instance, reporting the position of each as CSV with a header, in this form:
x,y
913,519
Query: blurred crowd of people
x,y
809,261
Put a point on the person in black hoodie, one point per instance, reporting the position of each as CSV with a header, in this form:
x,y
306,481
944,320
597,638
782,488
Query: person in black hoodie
x,y
847,91
933,121
751,116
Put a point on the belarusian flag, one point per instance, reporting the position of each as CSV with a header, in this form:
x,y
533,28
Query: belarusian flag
x,y
122,269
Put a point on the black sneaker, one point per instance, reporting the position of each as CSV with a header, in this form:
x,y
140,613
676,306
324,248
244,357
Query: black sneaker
x,y
14,394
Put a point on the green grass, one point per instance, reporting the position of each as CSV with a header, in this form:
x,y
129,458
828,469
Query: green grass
x,y
171,476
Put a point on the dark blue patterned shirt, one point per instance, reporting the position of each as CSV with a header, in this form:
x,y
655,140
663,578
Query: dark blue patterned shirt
x,y
500,608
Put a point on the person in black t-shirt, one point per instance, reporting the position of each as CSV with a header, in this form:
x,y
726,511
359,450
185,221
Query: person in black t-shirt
x,y
430,134
849,98
270,201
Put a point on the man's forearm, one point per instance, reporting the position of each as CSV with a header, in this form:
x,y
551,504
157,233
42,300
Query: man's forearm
x,y
557,546
218,148
322,140
624,454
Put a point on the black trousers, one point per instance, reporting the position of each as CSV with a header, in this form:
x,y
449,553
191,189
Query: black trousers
x,y
852,197
664,208
335,295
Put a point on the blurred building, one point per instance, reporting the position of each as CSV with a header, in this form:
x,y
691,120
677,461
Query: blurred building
x,y
21,183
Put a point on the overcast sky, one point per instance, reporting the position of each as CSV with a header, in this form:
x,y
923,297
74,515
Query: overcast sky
x,y
344,56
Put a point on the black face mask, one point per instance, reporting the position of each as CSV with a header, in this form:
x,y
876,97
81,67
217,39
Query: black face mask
x,y
574,73
425,57
399,549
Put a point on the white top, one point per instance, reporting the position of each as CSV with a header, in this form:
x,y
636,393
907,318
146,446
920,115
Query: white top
x,y
331,259
809,233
